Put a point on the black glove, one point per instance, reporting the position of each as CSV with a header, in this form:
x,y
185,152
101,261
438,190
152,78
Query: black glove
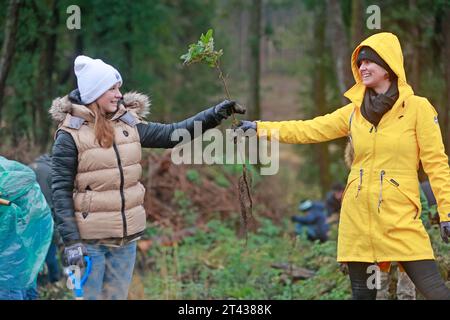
x,y
74,255
245,125
445,231
293,218
226,108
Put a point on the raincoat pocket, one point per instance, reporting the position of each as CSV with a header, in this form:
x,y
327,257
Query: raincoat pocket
x,y
406,194
348,186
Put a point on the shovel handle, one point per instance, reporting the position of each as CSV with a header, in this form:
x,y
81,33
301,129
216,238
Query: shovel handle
x,y
4,202
79,293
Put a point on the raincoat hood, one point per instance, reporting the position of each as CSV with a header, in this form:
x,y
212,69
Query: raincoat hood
x,y
388,48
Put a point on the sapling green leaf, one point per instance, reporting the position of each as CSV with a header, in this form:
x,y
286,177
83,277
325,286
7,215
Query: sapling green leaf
x,y
203,51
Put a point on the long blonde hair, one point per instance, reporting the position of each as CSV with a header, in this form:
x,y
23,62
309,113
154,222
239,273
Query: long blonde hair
x,y
104,132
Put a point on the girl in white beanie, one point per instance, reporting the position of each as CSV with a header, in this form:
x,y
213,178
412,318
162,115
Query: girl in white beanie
x,y
98,199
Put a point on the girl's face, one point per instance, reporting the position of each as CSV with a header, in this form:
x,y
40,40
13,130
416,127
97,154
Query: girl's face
x,y
372,74
108,101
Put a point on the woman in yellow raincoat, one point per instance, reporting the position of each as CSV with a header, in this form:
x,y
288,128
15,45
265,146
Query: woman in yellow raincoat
x,y
391,131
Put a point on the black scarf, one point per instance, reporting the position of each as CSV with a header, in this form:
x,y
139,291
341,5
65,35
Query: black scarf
x,y
375,105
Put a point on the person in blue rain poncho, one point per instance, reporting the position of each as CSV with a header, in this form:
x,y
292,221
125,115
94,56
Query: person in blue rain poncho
x,y
26,228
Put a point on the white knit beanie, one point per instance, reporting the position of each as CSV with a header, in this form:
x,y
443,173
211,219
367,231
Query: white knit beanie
x,y
94,77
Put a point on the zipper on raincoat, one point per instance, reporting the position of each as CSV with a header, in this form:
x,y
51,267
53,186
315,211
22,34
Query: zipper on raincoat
x,y
368,194
361,171
380,197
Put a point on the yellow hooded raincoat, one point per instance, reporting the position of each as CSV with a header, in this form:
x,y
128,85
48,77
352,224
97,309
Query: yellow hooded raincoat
x,y
380,214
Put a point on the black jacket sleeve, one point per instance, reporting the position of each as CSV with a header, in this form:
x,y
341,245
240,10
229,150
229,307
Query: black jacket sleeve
x,y
158,135
64,168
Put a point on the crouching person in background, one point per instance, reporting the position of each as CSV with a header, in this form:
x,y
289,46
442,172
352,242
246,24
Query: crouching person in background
x,y
313,222
42,167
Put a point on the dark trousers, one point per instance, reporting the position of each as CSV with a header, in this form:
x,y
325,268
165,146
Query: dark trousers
x,y
423,273
51,260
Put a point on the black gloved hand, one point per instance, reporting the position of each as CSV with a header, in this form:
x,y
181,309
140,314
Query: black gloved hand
x,y
293,218
445,231
245,125
74,255
226,108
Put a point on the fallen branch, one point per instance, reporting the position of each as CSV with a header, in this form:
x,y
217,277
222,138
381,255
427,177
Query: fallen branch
x,y
294,272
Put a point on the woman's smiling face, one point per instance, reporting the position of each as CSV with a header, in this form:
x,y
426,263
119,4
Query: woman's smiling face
x,y
372,74
108,101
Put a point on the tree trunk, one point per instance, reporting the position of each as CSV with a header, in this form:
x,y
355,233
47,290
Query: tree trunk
x,y
255,61
68,74
445,58
319,87
8,47
128,48
44,86
414,29
357,27
339,47
241,40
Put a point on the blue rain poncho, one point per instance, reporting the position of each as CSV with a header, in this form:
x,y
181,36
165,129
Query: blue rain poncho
x,y
26,226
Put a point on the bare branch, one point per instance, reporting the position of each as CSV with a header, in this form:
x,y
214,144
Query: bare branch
x,y
8,47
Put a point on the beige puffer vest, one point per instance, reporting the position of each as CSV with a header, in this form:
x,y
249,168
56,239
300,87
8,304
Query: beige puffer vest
x,y
108,197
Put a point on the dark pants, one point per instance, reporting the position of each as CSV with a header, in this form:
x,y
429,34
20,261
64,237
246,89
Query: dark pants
x,y
51,260
310,233
423,273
